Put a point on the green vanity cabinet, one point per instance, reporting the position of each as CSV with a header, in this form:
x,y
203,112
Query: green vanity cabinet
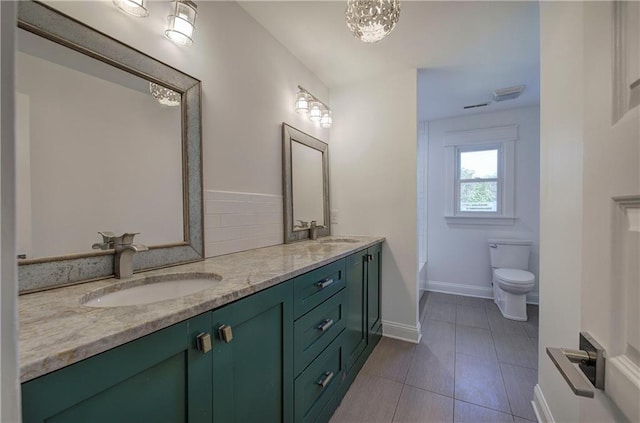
x,y
285,354
161,377
374,316
253,362
355,336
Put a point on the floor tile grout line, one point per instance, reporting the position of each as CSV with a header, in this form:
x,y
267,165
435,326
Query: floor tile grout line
x,y
397,404
504,384
485,407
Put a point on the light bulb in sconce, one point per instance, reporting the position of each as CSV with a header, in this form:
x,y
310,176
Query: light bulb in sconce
x,y
136,8
326,120
315,114
181,22
302,102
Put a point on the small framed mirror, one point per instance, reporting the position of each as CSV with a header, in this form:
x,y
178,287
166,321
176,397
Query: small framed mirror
x,y
305,184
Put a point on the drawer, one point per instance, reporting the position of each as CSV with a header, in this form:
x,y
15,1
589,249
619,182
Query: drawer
x,y
316,385
316,329
314,287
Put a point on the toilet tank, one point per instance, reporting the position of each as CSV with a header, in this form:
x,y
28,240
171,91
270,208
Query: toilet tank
x,y
510,253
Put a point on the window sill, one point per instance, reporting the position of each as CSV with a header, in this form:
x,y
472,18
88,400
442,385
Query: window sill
x,y
480,220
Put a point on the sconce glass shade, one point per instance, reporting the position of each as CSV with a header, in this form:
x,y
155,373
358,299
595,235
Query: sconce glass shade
x,y
181,22
136,8
326,120
315,114
164,95
372,20
302,103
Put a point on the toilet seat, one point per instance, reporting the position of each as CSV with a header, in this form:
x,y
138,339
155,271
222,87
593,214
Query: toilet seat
x,y
515,276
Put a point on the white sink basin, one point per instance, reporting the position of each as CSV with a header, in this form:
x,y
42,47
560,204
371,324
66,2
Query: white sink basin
x,y
150,289
338,241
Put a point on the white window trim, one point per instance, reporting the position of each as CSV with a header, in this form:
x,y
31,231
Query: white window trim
x,y
504,138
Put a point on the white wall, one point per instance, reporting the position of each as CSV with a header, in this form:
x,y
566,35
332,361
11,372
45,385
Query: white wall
x,y
458,254
584,163
9,392
249,82
373,155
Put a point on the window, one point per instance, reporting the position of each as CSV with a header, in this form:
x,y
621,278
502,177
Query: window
x,y
478,184
480,176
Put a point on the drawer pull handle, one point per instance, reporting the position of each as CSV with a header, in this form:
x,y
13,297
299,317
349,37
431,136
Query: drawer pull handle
x,y
326,378
325,283
325,325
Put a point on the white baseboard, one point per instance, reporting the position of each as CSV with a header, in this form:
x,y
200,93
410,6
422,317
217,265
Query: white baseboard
x,y
540,406
469,290
401,331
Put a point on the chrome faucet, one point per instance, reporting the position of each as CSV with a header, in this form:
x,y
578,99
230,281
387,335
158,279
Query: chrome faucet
x,y
125,249
313,230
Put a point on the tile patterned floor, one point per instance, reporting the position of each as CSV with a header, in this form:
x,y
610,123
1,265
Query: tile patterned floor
x,y
472,365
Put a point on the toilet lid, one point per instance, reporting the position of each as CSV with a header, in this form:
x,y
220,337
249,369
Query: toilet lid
x,y
514,275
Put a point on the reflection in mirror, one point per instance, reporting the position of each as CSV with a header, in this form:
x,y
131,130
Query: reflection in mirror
x,y
305,184
306,181
101,154
96,152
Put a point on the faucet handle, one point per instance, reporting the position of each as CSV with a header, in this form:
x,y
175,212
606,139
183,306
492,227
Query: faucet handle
x,y
126,238
107,236
108,239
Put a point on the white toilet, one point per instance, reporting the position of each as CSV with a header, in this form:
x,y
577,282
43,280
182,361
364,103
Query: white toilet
x,y
511,280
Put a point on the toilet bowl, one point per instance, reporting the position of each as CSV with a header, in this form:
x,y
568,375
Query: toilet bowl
x,y
511,281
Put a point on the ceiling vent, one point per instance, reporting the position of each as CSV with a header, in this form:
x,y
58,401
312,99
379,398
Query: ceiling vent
x,y
508,93
473,106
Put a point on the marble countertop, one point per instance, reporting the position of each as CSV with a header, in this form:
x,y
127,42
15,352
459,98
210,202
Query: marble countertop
x,y
56,330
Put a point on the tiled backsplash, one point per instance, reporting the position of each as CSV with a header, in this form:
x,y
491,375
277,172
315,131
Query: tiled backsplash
x,y
239,221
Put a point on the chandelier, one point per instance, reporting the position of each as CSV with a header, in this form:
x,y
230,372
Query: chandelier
x,y
372,20
164,95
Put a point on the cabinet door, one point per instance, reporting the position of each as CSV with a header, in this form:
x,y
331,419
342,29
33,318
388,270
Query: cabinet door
x,y
374,318
253,371
355,335
157,378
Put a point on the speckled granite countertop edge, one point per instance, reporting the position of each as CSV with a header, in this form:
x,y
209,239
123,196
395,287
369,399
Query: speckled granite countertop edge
x,y
56,330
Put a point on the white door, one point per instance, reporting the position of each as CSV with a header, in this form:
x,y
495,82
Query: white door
x,y
590,203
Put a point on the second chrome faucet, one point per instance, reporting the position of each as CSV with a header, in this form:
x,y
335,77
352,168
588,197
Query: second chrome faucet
x,y
124,251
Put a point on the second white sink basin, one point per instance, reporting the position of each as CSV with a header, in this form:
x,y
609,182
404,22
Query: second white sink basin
x,y
150,290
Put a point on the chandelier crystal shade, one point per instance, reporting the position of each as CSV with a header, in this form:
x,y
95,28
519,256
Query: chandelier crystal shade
x,y
181,22
165,96
372,20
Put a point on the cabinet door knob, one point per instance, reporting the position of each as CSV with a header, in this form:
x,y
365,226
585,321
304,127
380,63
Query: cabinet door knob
x,y
203,342
225,333
369,257
326,378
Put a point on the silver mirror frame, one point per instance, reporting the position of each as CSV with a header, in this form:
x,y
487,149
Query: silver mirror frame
x,y
290,134
51,272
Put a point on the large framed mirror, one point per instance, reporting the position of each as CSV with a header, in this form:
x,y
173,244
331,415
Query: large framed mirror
x,y
305,170
107,139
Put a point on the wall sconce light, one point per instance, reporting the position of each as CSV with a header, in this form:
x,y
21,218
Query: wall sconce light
x,y
302,103
181,22
326,120
319,113
136,8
